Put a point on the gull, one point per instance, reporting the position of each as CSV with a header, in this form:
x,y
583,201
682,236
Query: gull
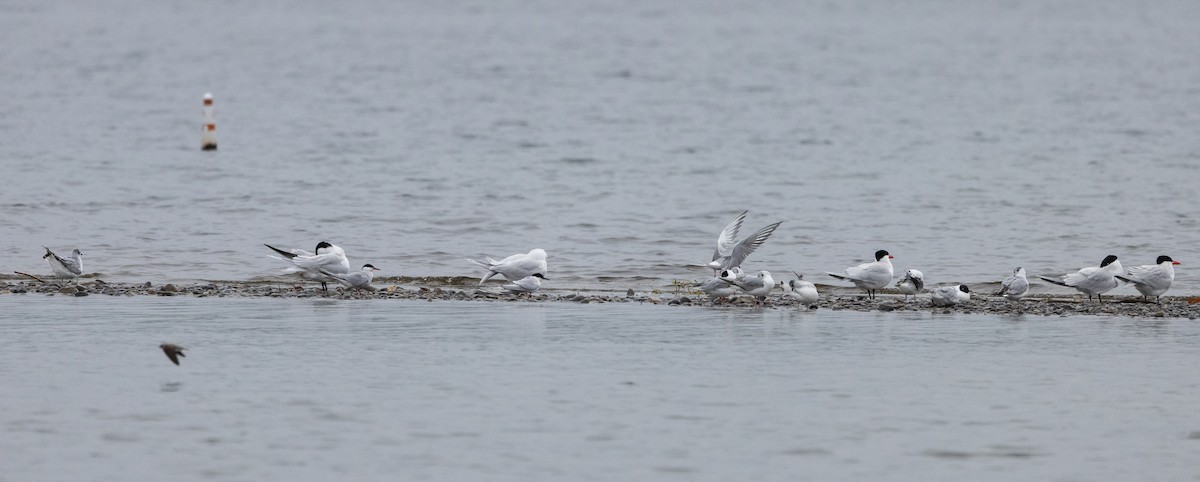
x,y
756,285
950,295
803,291
1093,280
528,284
328,258
515,267
65,268
359,280
730,254
1016,286
912,283
173,352
1152,279
870,276
718,288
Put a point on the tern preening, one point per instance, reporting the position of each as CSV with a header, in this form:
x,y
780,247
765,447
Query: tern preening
x,y
912,283
870,276
358,280
515,267
327,258
1016,286
65,267
1152,279
950,295
731,254
1093,280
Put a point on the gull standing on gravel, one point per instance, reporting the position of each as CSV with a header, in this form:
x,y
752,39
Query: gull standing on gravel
x,y
1093,281
359,280
802,291
1152,279
1016,286
718,288
756,285
730,254
528,284
912,283
327,258
515,267
65,268
950,295
870,276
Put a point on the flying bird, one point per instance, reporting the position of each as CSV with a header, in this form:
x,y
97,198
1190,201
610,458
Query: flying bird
x,y
173,352
730,254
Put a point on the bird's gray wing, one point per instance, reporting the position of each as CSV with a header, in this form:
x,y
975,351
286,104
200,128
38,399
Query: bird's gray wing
x,y
728,236
746,246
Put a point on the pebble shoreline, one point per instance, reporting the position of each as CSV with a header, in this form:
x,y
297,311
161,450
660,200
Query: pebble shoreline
x,y
1035,305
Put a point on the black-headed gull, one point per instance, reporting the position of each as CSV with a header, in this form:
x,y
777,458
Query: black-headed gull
x,y
515,267
802,291
717,288
1016,286
1152,279
870,276
911,284
64,267
359,280
327,257
950,295
1093,280
757,285
730,254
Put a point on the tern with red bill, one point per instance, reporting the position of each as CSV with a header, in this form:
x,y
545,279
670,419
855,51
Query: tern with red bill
x,y
870,277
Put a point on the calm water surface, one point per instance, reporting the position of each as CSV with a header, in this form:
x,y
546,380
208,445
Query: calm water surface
x,y
362,390
965,138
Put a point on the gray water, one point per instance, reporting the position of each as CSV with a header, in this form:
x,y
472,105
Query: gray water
x,y
412,390
620,136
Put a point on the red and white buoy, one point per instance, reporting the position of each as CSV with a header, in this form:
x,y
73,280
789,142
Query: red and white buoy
x,y
208,131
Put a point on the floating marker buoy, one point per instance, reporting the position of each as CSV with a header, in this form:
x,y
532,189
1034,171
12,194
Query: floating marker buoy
x,y
208,131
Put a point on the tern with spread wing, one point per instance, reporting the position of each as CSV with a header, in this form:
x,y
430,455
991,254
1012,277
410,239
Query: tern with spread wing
x,y
730,254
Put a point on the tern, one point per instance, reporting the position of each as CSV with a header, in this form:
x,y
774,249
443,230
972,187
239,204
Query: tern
x,y
327,257
1093,280
870,276
730,254
65,268
515,267
1016,286
359,280
528,284
1152,279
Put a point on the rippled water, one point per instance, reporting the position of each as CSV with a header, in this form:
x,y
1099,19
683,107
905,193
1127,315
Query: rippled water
x,y
360,390
620,136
